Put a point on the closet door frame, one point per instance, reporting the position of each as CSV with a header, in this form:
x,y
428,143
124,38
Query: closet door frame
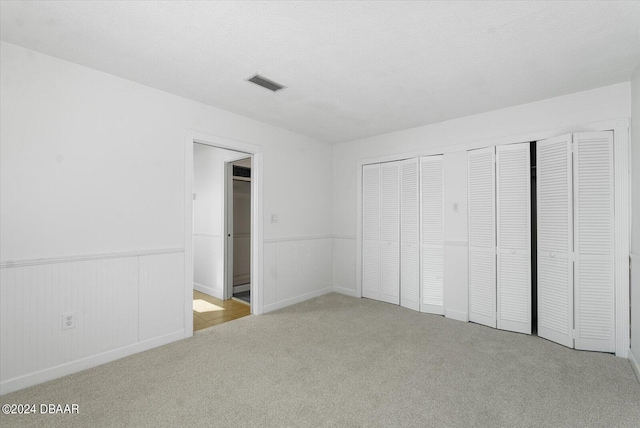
x,y
622,156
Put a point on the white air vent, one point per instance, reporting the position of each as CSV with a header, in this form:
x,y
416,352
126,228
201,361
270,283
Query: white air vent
x,y
265,83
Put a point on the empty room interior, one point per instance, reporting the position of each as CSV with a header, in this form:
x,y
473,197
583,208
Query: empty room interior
x,y
350,213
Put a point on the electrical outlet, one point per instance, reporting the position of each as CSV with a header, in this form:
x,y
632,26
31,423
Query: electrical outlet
x,y
68,321
274,218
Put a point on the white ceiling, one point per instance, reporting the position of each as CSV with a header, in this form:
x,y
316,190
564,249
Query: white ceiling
x,y
352,69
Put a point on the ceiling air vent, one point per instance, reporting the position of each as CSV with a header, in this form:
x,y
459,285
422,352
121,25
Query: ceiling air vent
x,y
265,83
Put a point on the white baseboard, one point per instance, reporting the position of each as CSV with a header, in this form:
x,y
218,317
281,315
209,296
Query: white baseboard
x,y
297,299
241,288
456,315
346,291
241,279
208,290
45,375
635,364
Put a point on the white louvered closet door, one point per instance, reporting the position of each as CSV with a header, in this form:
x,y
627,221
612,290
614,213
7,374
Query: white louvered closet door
x,y
513,194
409,236
593,241
390,232
482,236
432,224
371,249
555,239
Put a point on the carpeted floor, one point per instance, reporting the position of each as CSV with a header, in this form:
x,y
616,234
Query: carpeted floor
x,y
342,361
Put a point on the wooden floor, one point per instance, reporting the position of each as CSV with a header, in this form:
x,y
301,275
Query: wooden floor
x,y
209,311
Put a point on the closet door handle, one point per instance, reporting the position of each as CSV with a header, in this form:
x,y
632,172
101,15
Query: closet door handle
x,y
552,254
513,251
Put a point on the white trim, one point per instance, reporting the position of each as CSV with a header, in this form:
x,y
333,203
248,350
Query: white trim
x,y
346,291
296,238
75,366
207,290
344,236
241,288
622,205
635,364
456,315
293,300
257,218
80,258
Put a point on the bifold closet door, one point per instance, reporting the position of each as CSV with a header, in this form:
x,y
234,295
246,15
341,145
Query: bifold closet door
x,y
513,188
593,241
555,239
409,235
482,236
432,225
390,232
371,244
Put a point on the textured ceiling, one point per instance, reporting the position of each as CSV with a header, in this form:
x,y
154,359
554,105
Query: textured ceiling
x,y
352,69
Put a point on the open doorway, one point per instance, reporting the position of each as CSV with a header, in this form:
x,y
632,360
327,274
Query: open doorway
x,y
216,200
238,218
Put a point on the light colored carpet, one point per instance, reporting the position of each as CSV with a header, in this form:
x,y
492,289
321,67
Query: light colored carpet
x,y
341,361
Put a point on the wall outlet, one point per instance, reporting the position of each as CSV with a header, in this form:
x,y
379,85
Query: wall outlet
x,y
274,218
68,320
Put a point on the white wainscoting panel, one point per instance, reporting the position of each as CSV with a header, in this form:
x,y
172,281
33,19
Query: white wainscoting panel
x,y
344,263
103,295
122,304
296,270
208,272
160,295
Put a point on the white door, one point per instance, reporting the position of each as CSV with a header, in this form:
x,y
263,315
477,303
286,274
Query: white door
x,y
482,236
593,242
432,224
371,285
513,194
555,239
409,236
390,232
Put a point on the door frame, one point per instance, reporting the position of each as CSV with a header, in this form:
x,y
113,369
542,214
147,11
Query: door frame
x,y
227,292
257,216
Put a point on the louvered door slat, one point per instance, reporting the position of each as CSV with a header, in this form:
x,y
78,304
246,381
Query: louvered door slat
x,y
555,239
482,236
409,235
593,241
371,249
390,232
432,225
513,184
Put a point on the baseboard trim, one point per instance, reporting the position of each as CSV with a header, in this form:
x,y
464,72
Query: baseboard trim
x,y
456,315
241,288
242,279
208,290
293,300
635,364
345,291
71,367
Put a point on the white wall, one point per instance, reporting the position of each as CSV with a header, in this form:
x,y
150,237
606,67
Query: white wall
x,y
92,170
208,218
514,124
635,228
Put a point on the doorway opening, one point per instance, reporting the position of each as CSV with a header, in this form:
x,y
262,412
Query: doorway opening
x,y
220,258
238,218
